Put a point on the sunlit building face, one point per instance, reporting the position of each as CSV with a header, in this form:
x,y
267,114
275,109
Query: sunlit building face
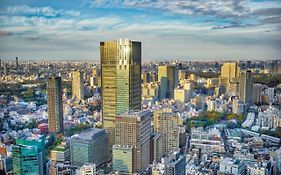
x,y
121,80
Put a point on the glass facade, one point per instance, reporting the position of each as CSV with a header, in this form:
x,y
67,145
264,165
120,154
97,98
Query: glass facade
x,y
121,80
29,157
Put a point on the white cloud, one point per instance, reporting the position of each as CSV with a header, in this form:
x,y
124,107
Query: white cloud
x,y
38,11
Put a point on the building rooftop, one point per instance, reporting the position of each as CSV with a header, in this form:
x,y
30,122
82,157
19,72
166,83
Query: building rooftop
x,y
132,113
90,134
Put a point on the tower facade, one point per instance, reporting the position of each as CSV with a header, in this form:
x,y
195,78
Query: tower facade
x,y
77,85
29,156
166,123
55,106
167,79
121,80
245,87
133,129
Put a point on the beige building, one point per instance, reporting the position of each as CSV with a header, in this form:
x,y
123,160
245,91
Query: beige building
x,y
88,169
61,153
167,79
180,94
182,75
77,85
120,80
166,123
133,129
229,78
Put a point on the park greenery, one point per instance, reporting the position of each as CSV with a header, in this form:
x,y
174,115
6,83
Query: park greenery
x,y
207,118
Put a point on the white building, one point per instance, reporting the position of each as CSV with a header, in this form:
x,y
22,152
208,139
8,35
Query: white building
x,y
269,118
270,94
231,166
88,169
208,140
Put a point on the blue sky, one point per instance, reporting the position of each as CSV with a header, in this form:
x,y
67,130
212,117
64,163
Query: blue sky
x,y
168,30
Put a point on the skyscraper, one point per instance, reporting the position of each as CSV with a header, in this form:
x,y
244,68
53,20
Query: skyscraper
x,y
55,108
121,80
167,79
257,93
133,129
166,123
230,70
29,156
77,85
17,63
229,78
245,87
6,70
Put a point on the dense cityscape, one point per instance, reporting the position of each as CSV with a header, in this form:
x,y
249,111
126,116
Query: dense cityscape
x,y
140,87
122,115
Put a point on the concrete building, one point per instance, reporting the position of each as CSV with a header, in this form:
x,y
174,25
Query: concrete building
x,y
237,106
89,147
257,93
269,118
55,106
231,166
207,140
270,93
262,168
245,87
155,147
120,80
61,153
172,164
133,129
77,85
88,169
180,94
166,123
229,78
59,168
182,75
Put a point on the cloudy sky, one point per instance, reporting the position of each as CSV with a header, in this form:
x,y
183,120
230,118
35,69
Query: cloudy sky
x,y
168,29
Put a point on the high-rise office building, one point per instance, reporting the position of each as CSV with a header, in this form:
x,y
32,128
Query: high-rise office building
x,y
121,80
257,93
6,70
270,93
167,79
145,76
182,75
17,63
55,106
166,123
230,70
229,78
77,85
29,156
245,87
90,146
155,147
133,129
